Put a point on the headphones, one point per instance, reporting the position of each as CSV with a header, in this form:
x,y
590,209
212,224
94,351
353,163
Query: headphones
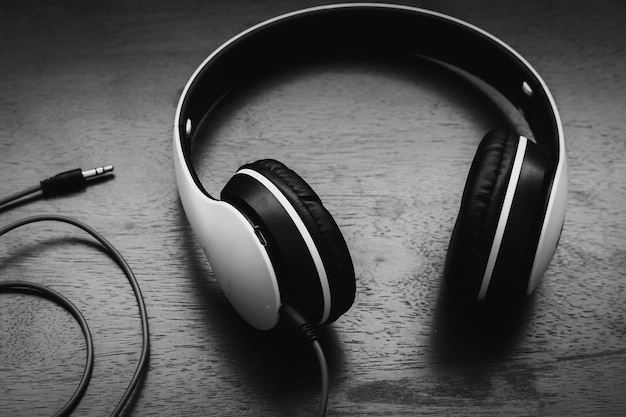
x,y
270,240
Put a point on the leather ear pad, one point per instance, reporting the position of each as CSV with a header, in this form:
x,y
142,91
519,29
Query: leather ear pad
x,y
295,277
481,205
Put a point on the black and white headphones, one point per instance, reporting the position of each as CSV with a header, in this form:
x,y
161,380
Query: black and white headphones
x,y
269,240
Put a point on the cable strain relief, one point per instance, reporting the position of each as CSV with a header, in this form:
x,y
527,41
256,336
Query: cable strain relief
x,y
296,320
309,332
48,186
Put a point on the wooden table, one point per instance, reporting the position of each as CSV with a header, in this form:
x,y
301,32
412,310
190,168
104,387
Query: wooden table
x,y
387,146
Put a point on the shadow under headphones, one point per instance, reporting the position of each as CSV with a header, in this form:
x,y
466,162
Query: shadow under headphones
x,y
270,240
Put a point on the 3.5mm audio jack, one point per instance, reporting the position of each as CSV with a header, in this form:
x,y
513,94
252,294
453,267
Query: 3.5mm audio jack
x,y
63,183
73,180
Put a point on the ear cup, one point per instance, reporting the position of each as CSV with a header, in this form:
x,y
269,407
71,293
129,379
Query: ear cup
x,y
298,273
491,249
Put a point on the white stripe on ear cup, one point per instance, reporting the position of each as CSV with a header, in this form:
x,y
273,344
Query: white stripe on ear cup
x,y
504,216
308,239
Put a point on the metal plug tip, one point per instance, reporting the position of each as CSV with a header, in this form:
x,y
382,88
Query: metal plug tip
x,y
96,172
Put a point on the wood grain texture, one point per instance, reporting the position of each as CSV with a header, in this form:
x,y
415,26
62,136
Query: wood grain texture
x,y
387,146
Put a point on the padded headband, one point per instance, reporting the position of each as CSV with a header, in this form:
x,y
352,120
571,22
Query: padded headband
x,y
375,30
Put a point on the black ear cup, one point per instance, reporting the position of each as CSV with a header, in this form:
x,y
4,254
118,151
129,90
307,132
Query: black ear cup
x,y
294,263
493,242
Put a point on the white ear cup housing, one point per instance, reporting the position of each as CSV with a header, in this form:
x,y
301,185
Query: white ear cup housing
x,y
552,224
236,255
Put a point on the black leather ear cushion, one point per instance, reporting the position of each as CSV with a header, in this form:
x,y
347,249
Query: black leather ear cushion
x,y
323,229
482,201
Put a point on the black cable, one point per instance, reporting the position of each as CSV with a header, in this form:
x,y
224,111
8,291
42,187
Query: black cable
x,y
62,183
29,287
131,278
302,325
323,377
18,195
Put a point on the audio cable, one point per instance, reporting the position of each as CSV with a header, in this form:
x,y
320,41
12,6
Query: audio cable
x,y
63,183
297,321
60,299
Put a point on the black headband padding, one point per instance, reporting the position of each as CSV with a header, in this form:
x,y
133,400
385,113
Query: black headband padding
x,y
481,204
370,30
323,230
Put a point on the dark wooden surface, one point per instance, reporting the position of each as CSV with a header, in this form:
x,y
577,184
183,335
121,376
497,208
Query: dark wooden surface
x,y
386,145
